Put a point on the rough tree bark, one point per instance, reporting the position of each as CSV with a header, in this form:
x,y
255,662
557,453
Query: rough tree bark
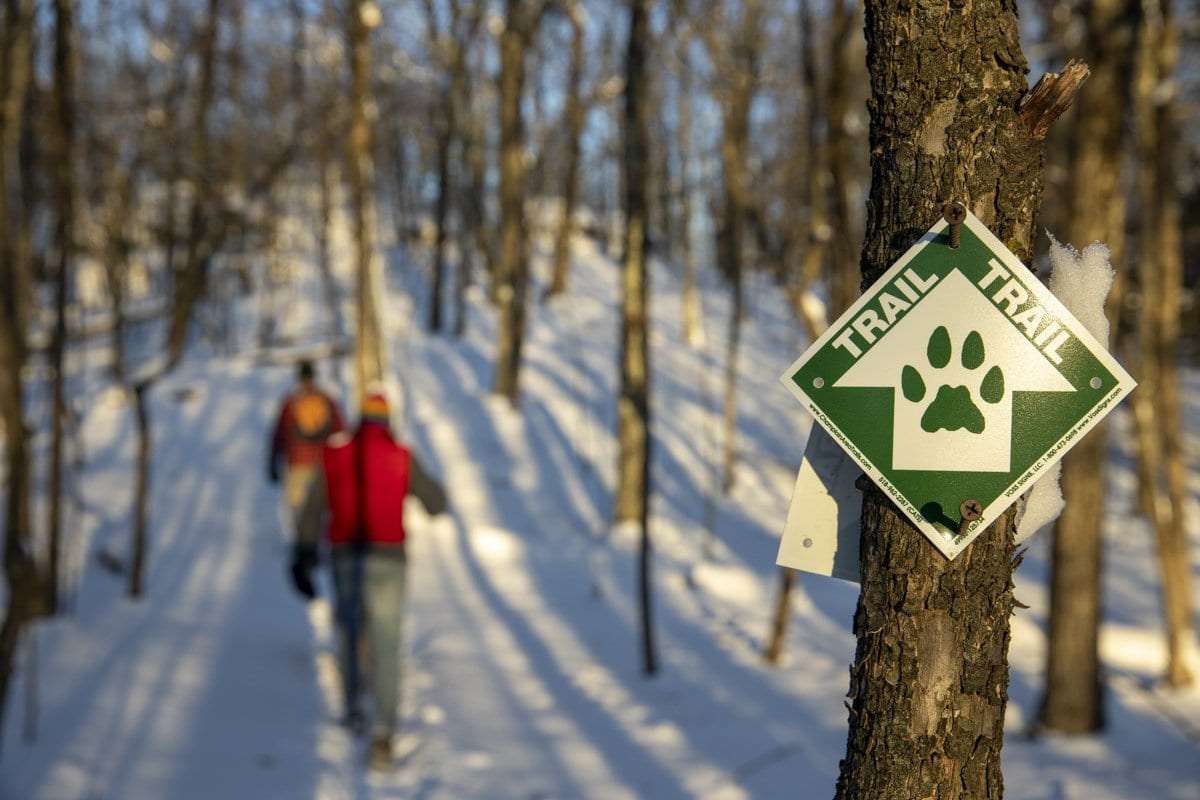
x,y
575,113
1073,700
929,683
1157,414
362,16
633,403
64,191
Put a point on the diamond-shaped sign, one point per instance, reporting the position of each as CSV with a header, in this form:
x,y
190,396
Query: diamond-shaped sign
x,y
957,376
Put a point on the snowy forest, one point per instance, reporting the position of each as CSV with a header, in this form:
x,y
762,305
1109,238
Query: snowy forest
x,y
552,257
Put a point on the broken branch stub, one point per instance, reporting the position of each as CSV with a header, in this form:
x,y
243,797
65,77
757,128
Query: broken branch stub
x,y
1051,97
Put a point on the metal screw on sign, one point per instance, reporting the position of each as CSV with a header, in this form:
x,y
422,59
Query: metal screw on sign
x,y
969,510
955,212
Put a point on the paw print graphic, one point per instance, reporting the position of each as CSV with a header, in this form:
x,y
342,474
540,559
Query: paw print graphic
x,y
953,407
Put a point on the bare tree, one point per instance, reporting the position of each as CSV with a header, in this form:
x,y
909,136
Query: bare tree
x,y
521,19
844,64
692,331
575,113
361,17
20,572
815,244
469,178
210,224
189,286
1156,407
475,240
192,280
633,404
320,149
732,47
816,189
1073,701
450,41
64,191
929,681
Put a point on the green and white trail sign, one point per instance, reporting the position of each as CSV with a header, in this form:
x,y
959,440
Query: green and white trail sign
x,y
957,376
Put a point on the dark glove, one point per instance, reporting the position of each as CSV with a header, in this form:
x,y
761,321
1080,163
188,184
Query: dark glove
x,y
302,580
304,561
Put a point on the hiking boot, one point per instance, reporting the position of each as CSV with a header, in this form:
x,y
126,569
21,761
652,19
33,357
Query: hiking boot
x,y
379,757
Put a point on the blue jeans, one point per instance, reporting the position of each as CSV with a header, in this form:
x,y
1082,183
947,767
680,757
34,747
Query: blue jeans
x,y
370,585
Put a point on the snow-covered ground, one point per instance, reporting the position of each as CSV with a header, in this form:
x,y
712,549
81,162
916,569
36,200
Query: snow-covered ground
x,y
523,676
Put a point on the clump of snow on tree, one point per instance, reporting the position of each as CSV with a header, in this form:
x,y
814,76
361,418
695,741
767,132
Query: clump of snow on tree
x,y
1081,280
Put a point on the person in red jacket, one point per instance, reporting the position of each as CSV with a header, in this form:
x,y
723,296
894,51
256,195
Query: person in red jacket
x,y
307,417
367,477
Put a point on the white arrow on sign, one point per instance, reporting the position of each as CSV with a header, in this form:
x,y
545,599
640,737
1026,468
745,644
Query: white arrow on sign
x,y
961,312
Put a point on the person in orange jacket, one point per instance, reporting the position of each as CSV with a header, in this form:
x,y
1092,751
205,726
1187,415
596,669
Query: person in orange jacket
x,y
307,417
367,477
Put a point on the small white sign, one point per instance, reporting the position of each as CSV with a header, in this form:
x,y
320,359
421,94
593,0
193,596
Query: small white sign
x,y
822,531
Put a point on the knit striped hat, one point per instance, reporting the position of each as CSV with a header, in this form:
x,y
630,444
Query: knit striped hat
x,y
375,407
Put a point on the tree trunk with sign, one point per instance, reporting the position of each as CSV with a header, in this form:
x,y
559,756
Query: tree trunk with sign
x,y
1073,700
929,684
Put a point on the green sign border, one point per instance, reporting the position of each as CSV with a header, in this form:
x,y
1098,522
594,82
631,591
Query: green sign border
x,y
1045,424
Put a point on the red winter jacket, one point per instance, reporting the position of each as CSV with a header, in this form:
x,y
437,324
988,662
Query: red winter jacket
x,y
371,458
